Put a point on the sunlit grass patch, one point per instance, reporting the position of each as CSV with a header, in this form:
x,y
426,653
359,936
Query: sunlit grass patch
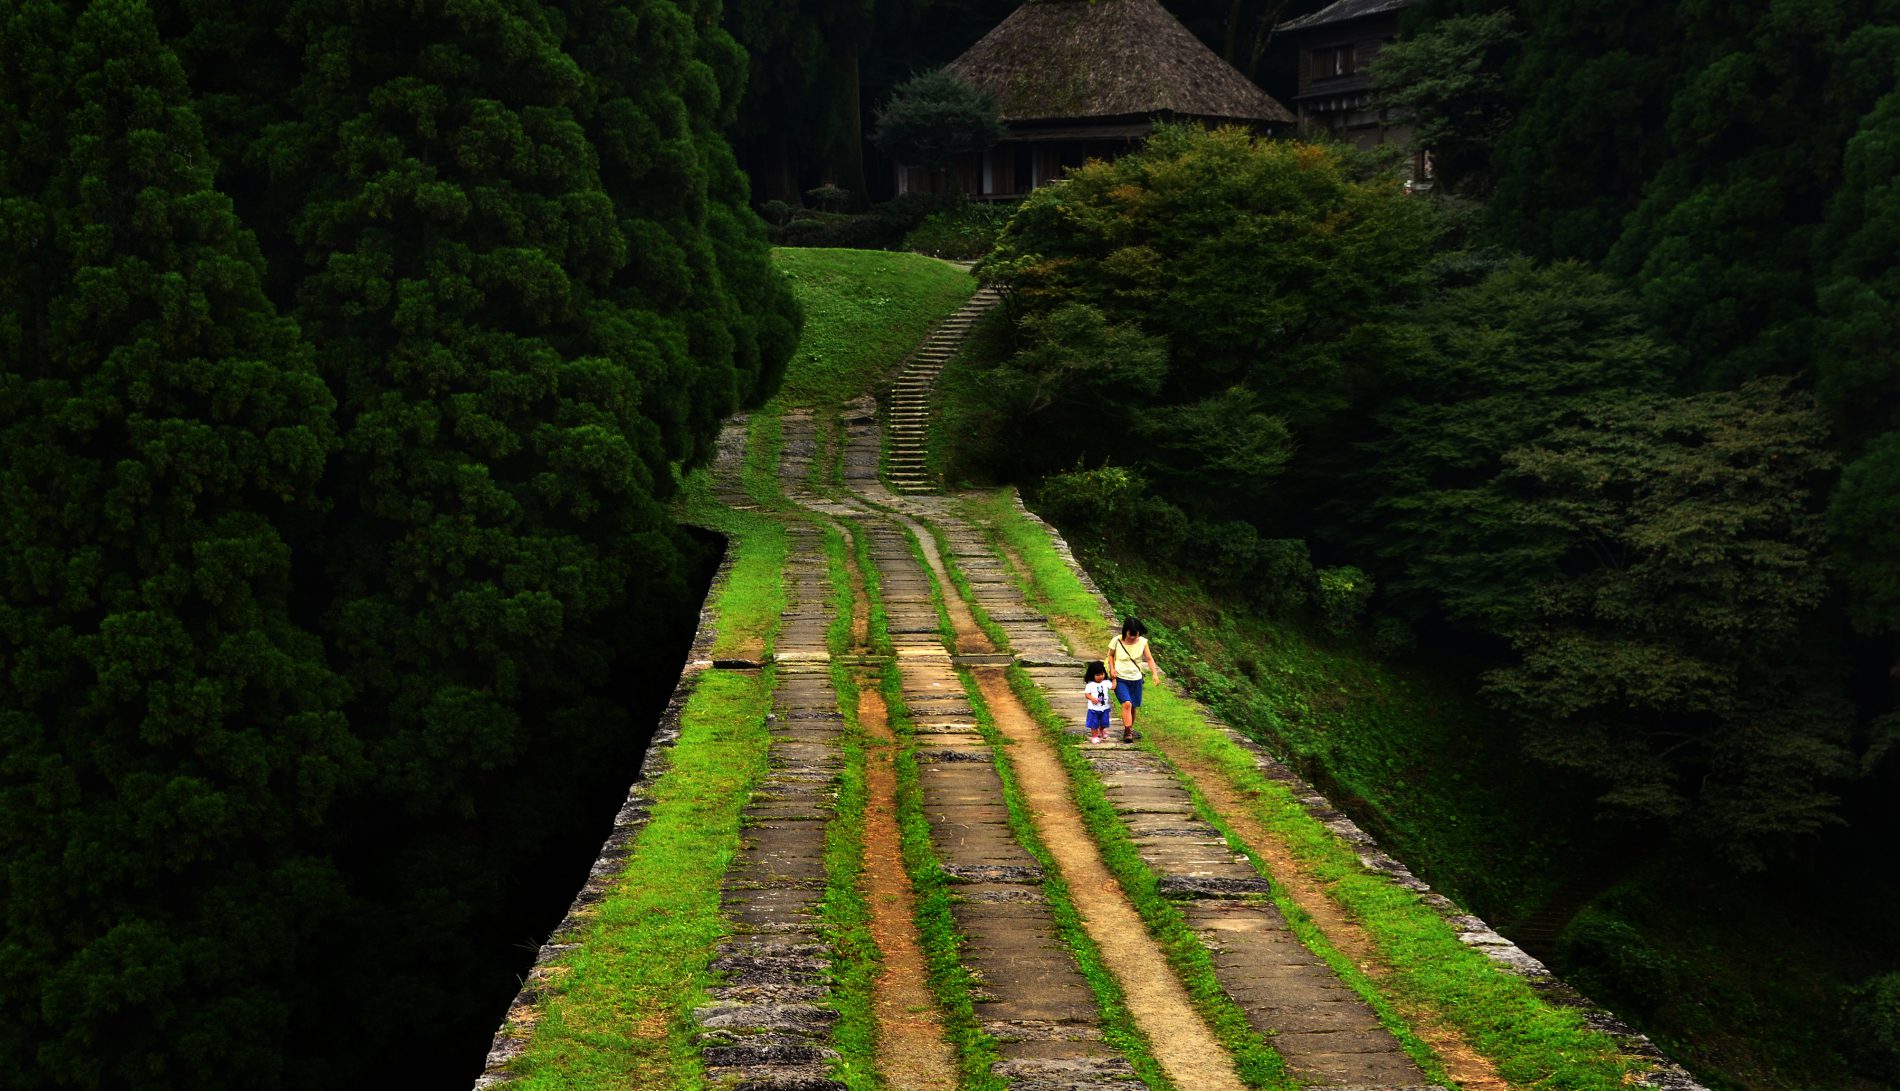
x,y
864,311
619,1015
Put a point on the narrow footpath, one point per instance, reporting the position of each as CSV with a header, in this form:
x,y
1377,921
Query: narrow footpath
x,y
935,883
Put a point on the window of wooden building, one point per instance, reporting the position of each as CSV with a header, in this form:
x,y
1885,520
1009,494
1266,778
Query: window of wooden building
x,y
1335,61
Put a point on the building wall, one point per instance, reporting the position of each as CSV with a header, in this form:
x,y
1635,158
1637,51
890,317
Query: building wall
x,y
1342,106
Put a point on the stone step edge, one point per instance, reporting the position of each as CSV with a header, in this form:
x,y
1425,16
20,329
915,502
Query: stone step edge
x,y
1472,931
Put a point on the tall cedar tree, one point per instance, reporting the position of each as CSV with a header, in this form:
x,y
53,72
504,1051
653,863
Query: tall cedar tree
x,y
172,739
518,351
696,311
802,120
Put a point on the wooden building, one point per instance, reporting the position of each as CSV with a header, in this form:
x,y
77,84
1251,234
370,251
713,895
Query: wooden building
x,y
1088,79
1336,45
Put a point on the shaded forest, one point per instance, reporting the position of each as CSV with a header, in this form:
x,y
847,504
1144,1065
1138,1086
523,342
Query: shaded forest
x,y
346,358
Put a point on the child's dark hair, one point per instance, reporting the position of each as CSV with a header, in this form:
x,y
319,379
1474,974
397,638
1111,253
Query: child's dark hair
x,y
1132,626
1094,668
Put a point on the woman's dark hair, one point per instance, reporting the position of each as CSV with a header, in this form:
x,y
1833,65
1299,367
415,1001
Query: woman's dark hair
x,y
1094,668
1132,626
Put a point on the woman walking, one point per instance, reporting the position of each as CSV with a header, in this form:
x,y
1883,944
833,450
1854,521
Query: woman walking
x,y
1126,654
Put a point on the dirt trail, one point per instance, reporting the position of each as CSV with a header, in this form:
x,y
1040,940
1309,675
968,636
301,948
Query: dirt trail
x,y
1471,1069
1188,1052
912,1052
971,640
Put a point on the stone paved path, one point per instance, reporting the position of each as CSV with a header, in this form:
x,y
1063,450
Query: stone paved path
x,y
1328,1035
771,1015
768,1023
1184,1046
1031,996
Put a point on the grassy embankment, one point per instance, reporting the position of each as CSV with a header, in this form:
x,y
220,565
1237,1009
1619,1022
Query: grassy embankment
x,y
618,1012
1724,971
864,311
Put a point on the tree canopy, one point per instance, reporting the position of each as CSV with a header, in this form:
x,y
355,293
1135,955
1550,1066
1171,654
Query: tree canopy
x,y
934,117
336,548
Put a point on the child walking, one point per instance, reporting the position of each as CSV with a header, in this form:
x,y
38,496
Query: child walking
x,y
1098,690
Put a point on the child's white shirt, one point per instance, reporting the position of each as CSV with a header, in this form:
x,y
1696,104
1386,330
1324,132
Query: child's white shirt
x,y
1098,694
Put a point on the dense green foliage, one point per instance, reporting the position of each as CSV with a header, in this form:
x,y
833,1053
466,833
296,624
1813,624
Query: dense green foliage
x,y
1736,163
173,738
1449,80
1251,261
1663,646
933,117
337,575
1646,566
1641,553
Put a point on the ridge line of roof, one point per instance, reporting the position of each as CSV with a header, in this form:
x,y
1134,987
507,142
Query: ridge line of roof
x,y
1340,11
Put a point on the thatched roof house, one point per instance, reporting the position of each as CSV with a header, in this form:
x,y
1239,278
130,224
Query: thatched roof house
x,y
1081,79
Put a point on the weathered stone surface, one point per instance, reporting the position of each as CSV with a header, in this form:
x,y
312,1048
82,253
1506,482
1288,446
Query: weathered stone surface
x,y
1194,886
755,1050
992,873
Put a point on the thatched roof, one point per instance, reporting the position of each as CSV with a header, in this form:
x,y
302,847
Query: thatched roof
x,y
1063,59
1341,11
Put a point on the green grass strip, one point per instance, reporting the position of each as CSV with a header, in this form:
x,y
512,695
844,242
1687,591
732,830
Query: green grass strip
x,y
765,438
847,916
1052,588
619,1013
950,981
1118,1023
1532,1043
747,609
945,630
878,628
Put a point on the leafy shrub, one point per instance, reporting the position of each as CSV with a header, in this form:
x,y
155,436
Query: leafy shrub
x,y
1393,637
1225,552
965,233
1284,580
854,231
778,213
1611,962
1871,1018
882,227
1158,528
1084,498
1343,594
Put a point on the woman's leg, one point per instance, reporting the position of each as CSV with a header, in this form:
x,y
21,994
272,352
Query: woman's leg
x,y
1128,715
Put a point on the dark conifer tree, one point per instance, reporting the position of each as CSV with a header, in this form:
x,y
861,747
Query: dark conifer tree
x,y
519,347
172,738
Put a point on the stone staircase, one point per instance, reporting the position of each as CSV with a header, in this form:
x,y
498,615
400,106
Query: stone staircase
x,y
910,394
